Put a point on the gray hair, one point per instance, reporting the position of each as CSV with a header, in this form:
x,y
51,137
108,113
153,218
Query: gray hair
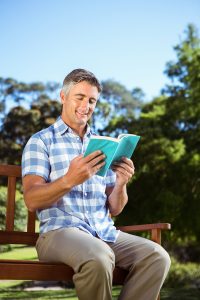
x,y
79,75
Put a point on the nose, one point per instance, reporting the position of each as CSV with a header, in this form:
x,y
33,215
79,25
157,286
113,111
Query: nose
x,y
84,107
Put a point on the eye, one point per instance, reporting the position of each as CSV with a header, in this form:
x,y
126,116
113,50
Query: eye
x,y
79,98
92,101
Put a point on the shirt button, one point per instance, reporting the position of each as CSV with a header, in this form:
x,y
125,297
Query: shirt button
x,y
85,194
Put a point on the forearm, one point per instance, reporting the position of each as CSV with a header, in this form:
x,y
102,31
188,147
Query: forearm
x,y
117,199
39,194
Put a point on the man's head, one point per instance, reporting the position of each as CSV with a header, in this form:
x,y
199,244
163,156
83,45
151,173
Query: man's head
x,y
79,75
79,96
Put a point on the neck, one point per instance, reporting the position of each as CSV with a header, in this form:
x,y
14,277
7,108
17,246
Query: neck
x,y
79,130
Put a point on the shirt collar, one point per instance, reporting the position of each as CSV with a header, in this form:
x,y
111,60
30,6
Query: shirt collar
x,y
61,127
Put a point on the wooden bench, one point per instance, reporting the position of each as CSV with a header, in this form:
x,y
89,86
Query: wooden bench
x,y
12,269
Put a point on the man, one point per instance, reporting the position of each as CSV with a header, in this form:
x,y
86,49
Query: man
x,y
74,205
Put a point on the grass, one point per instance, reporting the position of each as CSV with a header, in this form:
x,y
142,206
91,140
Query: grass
x,y
186,293
14,289
38,295
20,252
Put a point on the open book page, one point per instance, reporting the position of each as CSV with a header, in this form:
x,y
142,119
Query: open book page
x,y
120,136
113,148
126,146
99,137
107,146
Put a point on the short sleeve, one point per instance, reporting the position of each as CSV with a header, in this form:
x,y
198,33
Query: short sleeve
x,y
35,158
110,178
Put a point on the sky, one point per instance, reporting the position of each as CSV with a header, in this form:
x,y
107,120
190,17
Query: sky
x,y
129,41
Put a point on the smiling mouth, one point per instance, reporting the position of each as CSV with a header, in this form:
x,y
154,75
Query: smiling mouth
x,y
81,114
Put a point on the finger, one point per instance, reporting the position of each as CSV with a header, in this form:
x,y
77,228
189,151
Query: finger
x,y
95,161
128,161
127,168
123,172
128,174
92,155
97,167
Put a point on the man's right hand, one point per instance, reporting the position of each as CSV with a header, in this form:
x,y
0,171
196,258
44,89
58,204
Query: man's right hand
x,y
82,168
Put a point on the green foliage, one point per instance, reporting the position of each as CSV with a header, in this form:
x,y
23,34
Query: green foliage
x,y
116,101
21,123
20,92
183,106
183,274
167,183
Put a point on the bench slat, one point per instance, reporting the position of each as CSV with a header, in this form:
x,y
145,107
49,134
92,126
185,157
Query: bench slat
x,y
10,204
34,271
10,170
37,270
18,237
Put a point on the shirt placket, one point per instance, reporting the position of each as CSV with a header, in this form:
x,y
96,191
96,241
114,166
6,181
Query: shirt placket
x,y
84,187
81,150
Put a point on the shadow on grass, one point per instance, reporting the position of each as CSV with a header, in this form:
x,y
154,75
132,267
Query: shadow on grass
x,y
185,293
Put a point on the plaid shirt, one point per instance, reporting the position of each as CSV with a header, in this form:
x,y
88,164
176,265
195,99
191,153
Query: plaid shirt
x,y
48,154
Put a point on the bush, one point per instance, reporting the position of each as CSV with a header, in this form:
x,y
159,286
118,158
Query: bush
x,y
183,274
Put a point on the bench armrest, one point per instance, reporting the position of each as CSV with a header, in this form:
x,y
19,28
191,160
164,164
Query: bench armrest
x,y
154,229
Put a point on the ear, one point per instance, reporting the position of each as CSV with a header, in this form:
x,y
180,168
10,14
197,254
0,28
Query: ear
x,y
62,96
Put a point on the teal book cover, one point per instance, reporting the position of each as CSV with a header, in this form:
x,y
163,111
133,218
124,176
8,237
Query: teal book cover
x,y
113,148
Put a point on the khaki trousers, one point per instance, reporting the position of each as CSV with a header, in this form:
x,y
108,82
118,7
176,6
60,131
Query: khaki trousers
x,y
93,261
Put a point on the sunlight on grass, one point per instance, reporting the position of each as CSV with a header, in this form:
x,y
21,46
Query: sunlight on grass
x,y
38,295
7,284
20,252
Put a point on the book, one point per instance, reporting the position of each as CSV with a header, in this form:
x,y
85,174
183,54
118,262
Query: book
x,y
113,148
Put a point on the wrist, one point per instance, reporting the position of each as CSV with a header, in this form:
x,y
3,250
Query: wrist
x,y
67,183
120,185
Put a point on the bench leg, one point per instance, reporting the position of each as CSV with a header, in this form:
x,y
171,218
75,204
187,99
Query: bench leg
x,y
156,237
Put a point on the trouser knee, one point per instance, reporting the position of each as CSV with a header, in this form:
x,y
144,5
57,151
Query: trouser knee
x,y
163,258
104,262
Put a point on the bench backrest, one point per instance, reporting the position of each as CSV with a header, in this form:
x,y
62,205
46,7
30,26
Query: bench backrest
x,y
9,235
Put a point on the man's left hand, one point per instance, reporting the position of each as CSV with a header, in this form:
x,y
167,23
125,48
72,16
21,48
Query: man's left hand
x,y
124,170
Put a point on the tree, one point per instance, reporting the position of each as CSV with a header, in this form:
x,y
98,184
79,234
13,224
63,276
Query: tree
x,y
166,187
24,109
183,111
21,123
116,103
14,93
183,106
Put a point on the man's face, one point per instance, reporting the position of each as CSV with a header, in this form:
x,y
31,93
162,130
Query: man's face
x,y
79,104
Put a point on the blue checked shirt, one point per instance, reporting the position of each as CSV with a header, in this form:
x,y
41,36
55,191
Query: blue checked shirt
x,y
48,154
